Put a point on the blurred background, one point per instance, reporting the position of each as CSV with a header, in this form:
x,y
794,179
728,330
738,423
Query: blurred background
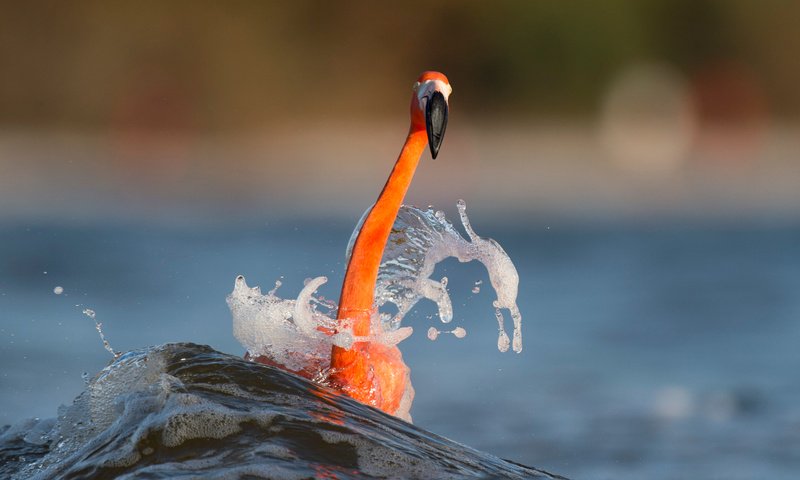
x,y
637,159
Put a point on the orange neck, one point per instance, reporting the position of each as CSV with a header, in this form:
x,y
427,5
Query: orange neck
x,y
358,289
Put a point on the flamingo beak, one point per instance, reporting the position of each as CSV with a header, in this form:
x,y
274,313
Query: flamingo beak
x,y
436,121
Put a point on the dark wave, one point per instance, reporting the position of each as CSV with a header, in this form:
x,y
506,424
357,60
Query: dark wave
x,y
188,411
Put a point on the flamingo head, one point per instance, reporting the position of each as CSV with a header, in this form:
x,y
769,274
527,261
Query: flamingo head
x,y
429,107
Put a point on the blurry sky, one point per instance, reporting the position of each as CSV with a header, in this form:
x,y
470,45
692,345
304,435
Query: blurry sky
x,y
204,110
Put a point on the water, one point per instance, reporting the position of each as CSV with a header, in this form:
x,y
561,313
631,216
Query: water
x,y
183,410
660,350
299,334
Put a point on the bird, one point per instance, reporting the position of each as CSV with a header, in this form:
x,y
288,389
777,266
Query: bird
x,y
373,372
370,369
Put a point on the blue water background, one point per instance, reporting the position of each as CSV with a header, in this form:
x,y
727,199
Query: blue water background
x,y
652,349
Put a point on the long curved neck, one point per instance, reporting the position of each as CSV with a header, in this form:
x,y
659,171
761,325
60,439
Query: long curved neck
x,y
358,289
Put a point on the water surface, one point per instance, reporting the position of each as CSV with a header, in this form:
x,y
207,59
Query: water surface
x,y
651,350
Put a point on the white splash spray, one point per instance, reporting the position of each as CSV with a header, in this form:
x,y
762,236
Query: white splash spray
x,y
99,327
295,332
421,239
476,289
299,333
458,332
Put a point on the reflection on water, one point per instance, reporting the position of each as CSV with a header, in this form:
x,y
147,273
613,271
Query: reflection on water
x,y
652,350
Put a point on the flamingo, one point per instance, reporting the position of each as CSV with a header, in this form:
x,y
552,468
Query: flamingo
x,y
369,371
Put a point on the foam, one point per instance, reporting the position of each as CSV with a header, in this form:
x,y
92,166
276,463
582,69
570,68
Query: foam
x,y
134,394
284,330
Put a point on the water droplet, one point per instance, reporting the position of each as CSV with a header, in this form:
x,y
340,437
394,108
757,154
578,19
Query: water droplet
x,y
278,284
477,288
433,333
99,327
503,342
58,290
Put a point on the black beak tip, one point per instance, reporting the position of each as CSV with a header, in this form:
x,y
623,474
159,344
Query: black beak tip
x,y
434,150
436,121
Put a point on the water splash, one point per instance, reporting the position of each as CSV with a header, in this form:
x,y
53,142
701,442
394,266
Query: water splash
x,y
502,275
420,239
458,332
476,289
99,327
299,333
285,330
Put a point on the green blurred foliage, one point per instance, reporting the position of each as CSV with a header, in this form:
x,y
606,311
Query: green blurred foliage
x,y
205,65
